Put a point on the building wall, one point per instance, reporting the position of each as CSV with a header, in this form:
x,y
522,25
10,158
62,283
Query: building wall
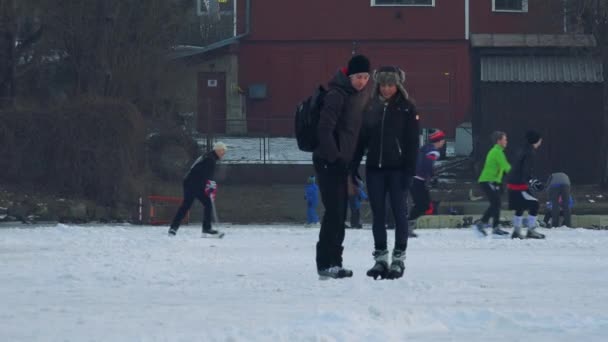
x,y
438,77
568,116
543,16
185,85
294,46
355,20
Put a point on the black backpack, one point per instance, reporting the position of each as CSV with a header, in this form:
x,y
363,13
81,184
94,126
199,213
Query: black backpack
x,y
308,113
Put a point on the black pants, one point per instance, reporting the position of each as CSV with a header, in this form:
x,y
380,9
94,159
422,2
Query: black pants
x,y
389,219
192,192
522,200
422,198
334,194
555,192
493,192
393,183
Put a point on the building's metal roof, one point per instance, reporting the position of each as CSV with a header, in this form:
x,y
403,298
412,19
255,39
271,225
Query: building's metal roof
x,y
484,40
567,69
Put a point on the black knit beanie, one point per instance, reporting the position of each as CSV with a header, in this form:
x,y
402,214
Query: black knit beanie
x,y
532,137
357,64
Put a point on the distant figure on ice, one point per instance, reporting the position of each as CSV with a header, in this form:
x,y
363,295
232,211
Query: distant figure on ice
x,y
558,189
522,184
354,202
389,137
425,166
338,129
490,181
312,201
199,184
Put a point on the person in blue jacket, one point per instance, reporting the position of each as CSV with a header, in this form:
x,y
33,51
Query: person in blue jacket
x,y
355,206
312,200
565,214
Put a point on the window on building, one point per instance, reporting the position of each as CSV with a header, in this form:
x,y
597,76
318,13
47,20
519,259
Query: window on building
x,y
403,2
510,5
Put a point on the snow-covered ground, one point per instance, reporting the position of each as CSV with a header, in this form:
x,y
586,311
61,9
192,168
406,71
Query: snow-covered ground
x,y
127,283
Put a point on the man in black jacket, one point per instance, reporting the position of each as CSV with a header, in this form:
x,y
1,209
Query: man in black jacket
x,y
521,184
338,131
199,184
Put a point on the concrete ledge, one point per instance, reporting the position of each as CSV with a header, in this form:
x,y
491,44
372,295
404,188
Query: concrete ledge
x,y
457,221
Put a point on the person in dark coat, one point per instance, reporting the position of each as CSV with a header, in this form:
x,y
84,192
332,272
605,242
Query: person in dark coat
x,y
560,201
354,202
425,170
522,185
312,201
199,184
338,131
389,138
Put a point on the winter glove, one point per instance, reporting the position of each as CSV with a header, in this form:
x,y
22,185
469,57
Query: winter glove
x,y
211,189
536,185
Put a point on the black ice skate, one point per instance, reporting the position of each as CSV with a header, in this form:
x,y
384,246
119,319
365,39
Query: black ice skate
x,y
172,231
533,234
212,233
334,272
398,265
478,228
380,269
517,234
499,233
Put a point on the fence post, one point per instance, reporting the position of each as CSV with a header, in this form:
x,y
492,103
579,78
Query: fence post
x,y
264,151
141,208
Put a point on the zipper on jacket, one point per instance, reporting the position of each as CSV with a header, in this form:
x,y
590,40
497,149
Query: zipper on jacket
x,y
382,134
398,146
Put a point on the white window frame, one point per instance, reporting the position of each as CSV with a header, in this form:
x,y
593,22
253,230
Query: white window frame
x,y
524,7
373,4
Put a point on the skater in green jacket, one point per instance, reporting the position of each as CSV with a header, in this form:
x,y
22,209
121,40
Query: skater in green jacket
x,y
490,181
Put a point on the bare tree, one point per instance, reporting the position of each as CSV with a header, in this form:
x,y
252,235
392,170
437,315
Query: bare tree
x,y
115,48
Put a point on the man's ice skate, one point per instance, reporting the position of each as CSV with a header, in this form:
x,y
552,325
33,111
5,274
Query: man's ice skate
x,y
212,233
380,269
172,231
517,234
499,233
533,234
334,272
479,230
398,265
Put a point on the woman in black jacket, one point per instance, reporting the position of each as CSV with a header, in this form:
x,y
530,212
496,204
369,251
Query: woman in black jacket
x,y
389,136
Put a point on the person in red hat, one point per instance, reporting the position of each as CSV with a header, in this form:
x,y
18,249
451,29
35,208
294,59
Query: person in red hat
x,y
425,165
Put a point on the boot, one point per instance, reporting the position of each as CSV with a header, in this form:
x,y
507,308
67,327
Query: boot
x,y
479,229
533,234
172,231
398,265
334,272
212,233
497,232
517,233
380,269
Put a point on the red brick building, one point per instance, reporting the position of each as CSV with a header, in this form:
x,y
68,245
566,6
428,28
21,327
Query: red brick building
x,y
283,49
